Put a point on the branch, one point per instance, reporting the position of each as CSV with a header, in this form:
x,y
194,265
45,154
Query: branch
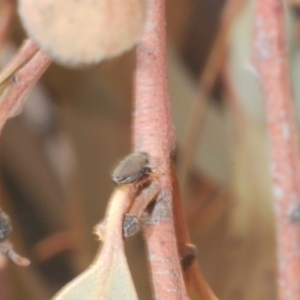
x,y
153,133
18,78
6,15
271,63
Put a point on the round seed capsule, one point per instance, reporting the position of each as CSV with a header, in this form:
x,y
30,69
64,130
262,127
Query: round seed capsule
x,y
74,32
132,168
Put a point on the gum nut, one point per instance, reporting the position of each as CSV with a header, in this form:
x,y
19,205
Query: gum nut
x,y
80,32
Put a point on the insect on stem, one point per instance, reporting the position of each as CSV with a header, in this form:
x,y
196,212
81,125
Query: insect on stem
x,y
132,168
6,248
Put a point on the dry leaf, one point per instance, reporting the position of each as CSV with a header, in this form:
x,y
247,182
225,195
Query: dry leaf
x,y
108,278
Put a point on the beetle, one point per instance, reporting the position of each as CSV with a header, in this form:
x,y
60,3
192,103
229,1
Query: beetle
x,y
131,225
5,226
6,247
132,168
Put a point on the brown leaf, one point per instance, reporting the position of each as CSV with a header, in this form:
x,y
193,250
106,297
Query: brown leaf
x,y
109,276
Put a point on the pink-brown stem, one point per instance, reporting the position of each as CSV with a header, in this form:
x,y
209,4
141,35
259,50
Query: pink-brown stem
x,y
153,133
271,62
195,283
16,88
25,53
6,14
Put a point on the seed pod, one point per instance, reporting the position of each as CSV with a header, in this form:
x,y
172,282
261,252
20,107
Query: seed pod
x,y
132,168
81,32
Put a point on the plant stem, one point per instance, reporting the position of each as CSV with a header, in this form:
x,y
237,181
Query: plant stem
x,y
153,133
25,53
271,62
24,72
6,15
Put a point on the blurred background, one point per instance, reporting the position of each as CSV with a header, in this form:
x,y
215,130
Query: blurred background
x,y
56,157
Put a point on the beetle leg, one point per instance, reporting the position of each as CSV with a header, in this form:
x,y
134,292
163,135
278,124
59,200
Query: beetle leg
x,y
7,250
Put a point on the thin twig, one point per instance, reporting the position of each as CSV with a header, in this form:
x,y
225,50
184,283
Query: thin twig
x,y
18,79
25,53
271,63
206,83
234,104
195,283
6,14
148,194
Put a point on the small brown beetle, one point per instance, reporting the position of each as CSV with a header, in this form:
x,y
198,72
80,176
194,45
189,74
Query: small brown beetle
x,y
5,247
131,168
131,225
5,226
